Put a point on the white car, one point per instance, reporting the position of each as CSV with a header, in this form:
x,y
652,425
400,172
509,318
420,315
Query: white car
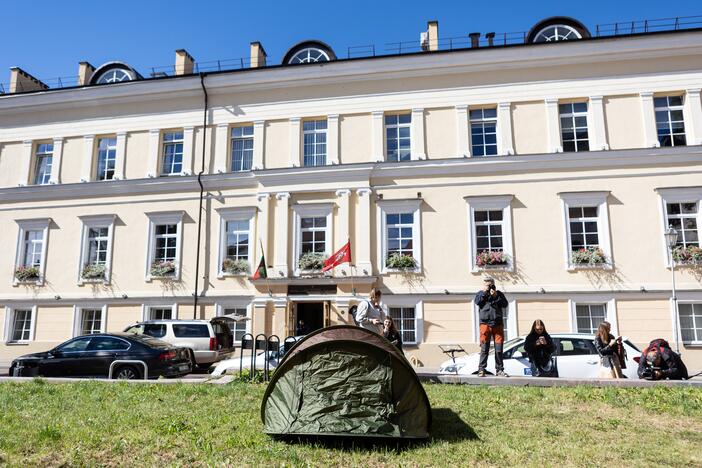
x,y
232,366
575,354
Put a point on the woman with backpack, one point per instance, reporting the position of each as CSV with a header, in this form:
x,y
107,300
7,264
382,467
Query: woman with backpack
x,y
539,347
369,313
611,353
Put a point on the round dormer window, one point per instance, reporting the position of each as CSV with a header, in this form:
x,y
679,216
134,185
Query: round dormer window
x,y
114,76
309,55
557,29
308,52
114,72
557,32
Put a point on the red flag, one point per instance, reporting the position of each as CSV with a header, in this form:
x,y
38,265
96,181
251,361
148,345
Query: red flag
x,y
343,255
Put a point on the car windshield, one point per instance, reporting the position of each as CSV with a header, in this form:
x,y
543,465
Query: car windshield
x,y
151,341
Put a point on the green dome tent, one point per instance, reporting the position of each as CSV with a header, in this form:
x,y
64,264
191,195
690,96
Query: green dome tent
x,y
345,381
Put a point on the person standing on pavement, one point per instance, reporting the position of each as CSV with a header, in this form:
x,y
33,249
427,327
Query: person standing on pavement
x,y
492,304
369,313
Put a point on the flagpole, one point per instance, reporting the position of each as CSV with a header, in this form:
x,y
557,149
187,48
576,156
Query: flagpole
x,y
352,264
263,255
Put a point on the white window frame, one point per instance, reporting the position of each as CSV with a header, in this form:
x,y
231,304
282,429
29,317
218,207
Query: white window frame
x,y
687,343
610,311
78,317
668,108
157,219
99,221
164,144
37,154
311,210
511,331
386,207
590,199
31,225
571,114
243,136
316,132
235,214
482,121
491,203
398,301
146,311
397,126
97,157
238,303
10,323
677,195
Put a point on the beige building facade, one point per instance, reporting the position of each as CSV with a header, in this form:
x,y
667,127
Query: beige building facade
x,y
542,154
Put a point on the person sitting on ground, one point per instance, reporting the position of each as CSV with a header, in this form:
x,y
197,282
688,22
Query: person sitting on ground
x,y
302,328
611,353
391,334
539,347
369,313
659,362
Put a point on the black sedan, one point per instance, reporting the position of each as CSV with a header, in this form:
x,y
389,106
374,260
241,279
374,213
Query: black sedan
x,y
92,356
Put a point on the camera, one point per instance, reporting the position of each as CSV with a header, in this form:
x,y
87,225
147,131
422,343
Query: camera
x,y
649,372
493,287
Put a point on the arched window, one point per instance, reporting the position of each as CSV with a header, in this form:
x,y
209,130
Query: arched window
x,y
557,32
114,76
556,29
308,55
114,72
308,52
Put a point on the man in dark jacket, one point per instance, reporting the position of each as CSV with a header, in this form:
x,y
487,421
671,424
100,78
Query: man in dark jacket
x,y
491,304
661,363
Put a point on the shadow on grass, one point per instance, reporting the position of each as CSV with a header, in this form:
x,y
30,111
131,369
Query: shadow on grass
x,y
446,426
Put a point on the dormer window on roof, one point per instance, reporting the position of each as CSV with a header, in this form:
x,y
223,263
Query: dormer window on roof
x,y
114,72
557,28
309,52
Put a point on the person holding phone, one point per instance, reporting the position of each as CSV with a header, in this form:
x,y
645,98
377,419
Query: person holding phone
x,y
492,304
611,353
539,347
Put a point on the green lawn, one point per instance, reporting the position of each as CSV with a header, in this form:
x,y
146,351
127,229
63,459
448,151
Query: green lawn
x,y
94,423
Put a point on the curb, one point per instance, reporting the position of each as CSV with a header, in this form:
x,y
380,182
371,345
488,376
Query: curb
x,y
551,382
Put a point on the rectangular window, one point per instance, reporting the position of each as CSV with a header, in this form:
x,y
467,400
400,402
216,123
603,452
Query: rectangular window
x,y
166,242
690,322
172,153
21,325
670,124
406,322
314,139
488,230
589,316
98,244
238,327
397,137
483,131
400,234
42,166
160,313
238,239
583,227
33,247
683,218
106,158
90,321
313,232
574,133
242,148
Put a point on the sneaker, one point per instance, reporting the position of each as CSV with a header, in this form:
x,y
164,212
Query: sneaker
x,y
481,373
502,374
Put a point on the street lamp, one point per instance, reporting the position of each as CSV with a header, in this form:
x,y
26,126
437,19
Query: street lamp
x,y
671,239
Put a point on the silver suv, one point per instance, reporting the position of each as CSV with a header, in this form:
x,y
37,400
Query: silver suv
x,y
210,340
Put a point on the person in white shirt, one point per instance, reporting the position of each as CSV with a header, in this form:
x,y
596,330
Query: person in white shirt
x,y
369,314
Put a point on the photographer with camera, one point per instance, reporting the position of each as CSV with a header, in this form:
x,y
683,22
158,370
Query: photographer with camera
x,y
658,362
491,304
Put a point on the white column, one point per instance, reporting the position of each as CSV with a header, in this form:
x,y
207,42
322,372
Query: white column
x,y
596,124
553,126
462,138
343,225
188,149
649,120
26,163
333,139
377,136
504,129
259,137
86,174
361,244
56,159
692,113
120,155
417,143
262,228
153,156
281,234
295,142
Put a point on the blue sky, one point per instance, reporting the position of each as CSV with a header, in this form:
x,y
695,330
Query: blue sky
x,y
49,38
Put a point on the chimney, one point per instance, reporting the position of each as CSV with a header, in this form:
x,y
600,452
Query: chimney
x,y
258,55
491,38
474,39
433,30
21,81
85,72
184,62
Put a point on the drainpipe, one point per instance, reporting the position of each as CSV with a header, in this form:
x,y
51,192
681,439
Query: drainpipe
x,y
202,195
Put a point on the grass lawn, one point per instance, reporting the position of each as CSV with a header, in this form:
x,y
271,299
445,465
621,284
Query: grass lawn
x,y
93,423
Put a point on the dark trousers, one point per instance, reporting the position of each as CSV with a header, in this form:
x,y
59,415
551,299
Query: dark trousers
x,y
487,334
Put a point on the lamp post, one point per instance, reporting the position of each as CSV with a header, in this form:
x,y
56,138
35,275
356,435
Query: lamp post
x,y
671,239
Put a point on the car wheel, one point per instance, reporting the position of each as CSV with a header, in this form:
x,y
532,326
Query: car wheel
x,y
126,373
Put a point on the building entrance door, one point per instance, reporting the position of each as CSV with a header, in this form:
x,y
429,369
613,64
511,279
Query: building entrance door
x,y
312,314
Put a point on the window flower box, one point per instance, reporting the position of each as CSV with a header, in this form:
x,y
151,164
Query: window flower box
x,y
588,257
93,271
491,259
397,261
27,273
690,255
163,268
311,262
235,267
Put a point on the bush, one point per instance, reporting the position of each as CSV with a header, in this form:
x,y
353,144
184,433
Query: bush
x,y
235,266
163,268
491,257
93,271
27,273
401,261
690,255
312,261
588,256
